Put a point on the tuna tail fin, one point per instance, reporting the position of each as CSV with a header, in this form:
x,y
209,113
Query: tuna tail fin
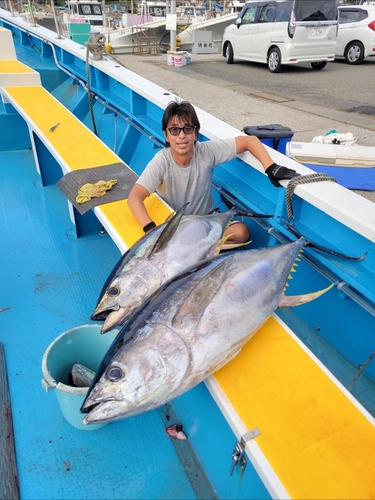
x,y
310,244
298,300
168,231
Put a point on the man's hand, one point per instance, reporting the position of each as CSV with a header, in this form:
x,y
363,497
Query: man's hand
x,y
276,173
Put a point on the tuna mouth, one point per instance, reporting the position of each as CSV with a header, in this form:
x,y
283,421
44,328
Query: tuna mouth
x,y
99,407
101,314
107,410
96,413
114,318
86,408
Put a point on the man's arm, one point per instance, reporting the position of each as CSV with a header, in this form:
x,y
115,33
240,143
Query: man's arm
x,y
256,148
137,207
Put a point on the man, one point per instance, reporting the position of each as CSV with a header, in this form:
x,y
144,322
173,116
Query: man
x,y
182,172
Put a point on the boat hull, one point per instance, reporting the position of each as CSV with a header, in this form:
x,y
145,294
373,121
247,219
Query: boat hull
x,y
56,268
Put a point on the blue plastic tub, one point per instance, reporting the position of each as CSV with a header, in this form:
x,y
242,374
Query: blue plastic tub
x,y
82,344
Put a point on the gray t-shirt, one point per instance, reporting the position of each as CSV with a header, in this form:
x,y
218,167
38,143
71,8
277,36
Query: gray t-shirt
x,y
178,185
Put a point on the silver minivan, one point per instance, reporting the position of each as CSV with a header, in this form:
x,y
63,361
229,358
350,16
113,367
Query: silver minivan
x,y
281,32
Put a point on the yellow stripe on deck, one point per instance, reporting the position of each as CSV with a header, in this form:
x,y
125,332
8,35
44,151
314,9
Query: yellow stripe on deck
x,y
14,66
126,226
318,443
77,146
13,73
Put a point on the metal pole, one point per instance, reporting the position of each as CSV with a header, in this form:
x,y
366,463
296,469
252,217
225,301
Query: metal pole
x,y
11,7
32,13
57,24
105,17
173,32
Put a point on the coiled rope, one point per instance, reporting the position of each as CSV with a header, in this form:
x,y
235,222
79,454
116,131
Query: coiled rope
x,y
97,47
303,179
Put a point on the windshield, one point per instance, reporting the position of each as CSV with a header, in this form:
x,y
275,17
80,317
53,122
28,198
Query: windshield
x,y
315,10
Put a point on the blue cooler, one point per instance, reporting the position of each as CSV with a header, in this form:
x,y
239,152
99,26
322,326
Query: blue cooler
x,y
275,136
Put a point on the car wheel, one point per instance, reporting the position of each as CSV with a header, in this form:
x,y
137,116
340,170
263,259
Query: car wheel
x,y
354,53
229,53
319,65
274,60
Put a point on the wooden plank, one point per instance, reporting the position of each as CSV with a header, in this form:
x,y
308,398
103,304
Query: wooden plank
x,y
9,489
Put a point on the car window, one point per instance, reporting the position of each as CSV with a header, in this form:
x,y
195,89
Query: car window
x,y
267,14
316,10
364,14
249,15
283,12
349,16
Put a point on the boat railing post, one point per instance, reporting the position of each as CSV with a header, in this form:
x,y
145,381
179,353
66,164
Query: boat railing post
x,y
11,7
173,32
31,7
57,24
105,16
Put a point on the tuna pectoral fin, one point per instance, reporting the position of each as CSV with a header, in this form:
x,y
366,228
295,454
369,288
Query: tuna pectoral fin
x,y
168,231
200,297
298,300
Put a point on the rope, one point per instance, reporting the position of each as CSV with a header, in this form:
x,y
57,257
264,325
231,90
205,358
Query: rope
x,y
303,179
89,94
97,48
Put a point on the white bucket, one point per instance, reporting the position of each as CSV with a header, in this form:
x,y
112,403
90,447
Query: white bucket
x,y
178,59
170,58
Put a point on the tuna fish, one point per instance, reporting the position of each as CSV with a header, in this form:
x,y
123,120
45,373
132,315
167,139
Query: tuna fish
x,y
190,328
154,259
81,376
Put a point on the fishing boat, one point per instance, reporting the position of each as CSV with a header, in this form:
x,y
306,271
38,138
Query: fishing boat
x,y
155,34
214,26
291,416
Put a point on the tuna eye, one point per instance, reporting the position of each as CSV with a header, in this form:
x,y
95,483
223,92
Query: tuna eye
x,y
113,291
115,373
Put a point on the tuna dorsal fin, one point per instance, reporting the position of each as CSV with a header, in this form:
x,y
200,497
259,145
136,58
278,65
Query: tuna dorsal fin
x,y
168,231
200,296
298,300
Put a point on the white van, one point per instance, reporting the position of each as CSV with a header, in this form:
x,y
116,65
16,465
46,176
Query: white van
x,y
280,32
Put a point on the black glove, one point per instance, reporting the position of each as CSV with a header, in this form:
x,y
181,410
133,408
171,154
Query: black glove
x,y
276,173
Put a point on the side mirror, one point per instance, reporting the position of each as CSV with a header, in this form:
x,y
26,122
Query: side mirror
x,y
238,22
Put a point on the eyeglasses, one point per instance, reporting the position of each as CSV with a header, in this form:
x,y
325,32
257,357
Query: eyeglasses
x,y
188,130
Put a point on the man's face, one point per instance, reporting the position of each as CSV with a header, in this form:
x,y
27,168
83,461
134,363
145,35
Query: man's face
x,y
183,142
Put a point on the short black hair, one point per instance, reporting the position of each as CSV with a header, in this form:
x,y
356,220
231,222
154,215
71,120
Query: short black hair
x,y
183,110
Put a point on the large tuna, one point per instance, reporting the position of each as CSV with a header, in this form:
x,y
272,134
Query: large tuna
x,y
189,328
154,259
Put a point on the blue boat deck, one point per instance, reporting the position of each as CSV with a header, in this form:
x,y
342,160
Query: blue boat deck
x,y
50,283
